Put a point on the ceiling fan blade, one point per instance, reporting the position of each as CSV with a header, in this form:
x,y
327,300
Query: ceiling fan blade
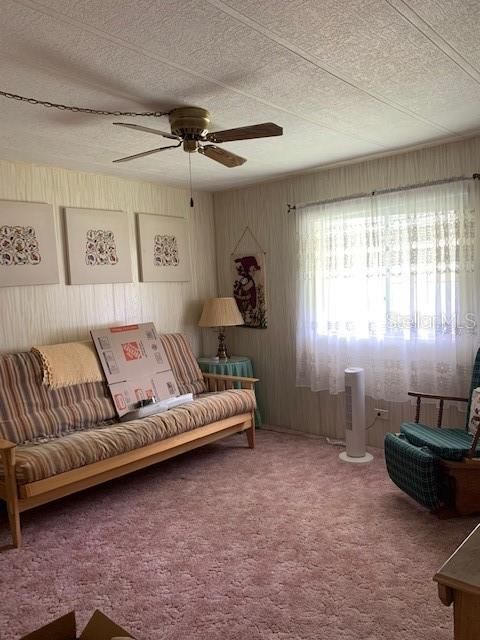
x,y
227,158
138,127
147,153
264,130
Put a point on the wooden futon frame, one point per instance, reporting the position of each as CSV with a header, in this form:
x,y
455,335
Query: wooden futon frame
x,y
21,497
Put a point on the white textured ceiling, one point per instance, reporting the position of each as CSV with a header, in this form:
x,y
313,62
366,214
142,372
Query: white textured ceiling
x,y
345,78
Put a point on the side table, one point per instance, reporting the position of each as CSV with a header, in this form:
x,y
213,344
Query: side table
x,y
234,366
459,582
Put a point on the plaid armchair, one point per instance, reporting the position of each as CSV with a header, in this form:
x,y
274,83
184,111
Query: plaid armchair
x,y
436,466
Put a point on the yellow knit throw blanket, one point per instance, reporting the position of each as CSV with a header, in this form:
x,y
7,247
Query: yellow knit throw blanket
x,y
69,363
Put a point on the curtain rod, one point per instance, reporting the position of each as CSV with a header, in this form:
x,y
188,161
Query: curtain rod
x,y
292,208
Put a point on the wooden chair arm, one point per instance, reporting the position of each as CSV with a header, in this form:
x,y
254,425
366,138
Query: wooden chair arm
x,y
433,396
415,394
6,445
219,382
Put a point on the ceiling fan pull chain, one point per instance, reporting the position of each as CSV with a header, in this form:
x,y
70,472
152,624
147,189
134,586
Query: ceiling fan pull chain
x,y
190,177
97,112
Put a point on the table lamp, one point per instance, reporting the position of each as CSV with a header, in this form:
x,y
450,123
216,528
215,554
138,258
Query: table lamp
x,y
220,313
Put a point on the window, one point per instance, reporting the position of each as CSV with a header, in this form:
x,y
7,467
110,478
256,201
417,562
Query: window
x,y
388,283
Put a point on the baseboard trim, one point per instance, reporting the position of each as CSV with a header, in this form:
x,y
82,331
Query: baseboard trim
x,y
293,432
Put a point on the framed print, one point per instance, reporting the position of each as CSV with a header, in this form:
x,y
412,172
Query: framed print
x,y
98,246
28,247
163,248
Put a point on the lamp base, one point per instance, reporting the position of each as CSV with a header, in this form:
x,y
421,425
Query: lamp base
x,y
222,352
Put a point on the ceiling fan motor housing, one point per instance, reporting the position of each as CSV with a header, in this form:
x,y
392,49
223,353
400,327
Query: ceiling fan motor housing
x,y
191,123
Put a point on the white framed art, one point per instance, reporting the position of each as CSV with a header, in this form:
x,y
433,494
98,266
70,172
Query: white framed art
x,y
28,247
164,248
98,246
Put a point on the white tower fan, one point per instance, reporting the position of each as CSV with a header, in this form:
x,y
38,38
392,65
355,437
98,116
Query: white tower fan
x,y
355,432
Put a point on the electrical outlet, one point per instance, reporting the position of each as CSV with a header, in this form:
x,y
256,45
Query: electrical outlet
x,y
381,414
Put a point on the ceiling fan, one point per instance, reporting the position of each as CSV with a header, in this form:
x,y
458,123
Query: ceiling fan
x,y
189,127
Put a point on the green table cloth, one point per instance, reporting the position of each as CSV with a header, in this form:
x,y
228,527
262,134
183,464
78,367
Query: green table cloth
x,y
234,366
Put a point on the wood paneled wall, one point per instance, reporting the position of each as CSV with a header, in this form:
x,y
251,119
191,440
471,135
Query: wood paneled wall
x,y
263,208
58,313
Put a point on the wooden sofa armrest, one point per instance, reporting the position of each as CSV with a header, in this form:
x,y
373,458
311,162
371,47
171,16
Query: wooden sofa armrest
x,y
5,445
9,491
219,382
7,454
432,396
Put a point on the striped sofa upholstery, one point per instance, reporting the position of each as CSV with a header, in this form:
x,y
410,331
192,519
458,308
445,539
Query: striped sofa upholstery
x,y
67,428
38,461
30,411
184,365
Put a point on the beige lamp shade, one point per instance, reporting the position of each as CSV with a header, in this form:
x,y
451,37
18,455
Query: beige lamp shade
x,y
220,312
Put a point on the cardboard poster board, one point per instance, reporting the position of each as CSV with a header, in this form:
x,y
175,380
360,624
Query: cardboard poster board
x,y
135,365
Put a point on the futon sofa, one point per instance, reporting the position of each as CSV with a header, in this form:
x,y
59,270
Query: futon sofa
x,y
54,442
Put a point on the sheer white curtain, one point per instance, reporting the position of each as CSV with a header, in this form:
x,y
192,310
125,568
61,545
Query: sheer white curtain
x,y
390,283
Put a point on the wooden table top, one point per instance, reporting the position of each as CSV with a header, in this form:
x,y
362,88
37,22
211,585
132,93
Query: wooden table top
x,y
462,570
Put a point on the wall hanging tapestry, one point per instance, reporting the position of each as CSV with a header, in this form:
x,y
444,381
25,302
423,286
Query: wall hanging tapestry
x,y
98,246
28,249
163,248
249,280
